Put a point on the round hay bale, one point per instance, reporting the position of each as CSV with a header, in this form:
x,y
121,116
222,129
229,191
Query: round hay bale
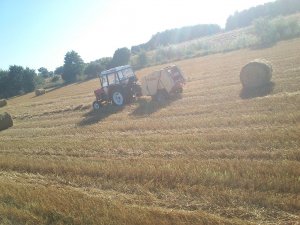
x,y
3,102
256,73
39,92
5,121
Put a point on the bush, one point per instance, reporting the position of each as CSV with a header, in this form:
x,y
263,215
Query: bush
x,y
265,31
142,59
243,41
55,78
270,32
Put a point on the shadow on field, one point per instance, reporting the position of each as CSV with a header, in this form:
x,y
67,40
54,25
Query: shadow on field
x,y
149,106
248,93
93,116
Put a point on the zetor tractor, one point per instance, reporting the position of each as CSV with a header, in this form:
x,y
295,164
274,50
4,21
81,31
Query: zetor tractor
x,y
118,86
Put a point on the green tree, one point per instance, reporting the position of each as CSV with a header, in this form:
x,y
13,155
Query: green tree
x,y
142,59
93,69
14,80
29,77
3,83
43,72
121,57
59,70
17,80
50,74
105,62
73,67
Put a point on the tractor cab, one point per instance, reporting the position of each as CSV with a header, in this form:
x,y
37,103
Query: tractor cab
x,y
118,85
119,75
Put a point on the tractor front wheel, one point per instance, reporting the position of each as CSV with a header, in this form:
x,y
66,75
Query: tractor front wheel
x,y
96,105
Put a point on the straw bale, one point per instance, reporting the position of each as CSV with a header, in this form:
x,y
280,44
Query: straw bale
x,y
39,92
5,121
256,73
3,102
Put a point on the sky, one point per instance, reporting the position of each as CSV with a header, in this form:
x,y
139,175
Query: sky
x,y
38,33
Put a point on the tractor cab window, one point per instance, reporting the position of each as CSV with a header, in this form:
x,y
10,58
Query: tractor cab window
x,y
104,82
112,79
127,73
121,76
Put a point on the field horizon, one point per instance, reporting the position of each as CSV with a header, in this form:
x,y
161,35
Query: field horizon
x,y
212,156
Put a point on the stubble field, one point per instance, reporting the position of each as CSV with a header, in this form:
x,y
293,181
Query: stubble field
x,y
209,157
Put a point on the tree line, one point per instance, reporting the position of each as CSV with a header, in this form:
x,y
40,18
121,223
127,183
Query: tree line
x,y
237,20
18,80
74,66
269,10
177,35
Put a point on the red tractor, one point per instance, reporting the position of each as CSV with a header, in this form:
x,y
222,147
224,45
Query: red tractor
x,y
118,86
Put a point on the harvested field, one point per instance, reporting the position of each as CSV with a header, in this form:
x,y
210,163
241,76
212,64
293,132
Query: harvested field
x,y
209,157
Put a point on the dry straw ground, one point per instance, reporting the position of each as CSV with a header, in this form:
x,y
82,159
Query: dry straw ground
x,y
209,157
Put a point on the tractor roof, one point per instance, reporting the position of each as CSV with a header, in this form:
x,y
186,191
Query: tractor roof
x,y
114,70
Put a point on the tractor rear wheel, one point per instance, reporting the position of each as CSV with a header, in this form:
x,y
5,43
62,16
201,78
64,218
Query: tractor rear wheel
x,y
118,98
